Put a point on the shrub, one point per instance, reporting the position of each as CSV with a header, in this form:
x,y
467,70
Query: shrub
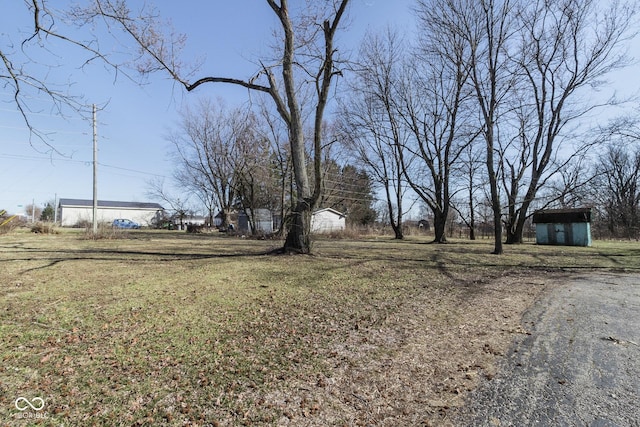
x,y
105,232
44,228
82,223
9,223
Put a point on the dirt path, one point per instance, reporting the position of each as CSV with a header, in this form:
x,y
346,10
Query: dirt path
x,y
579,367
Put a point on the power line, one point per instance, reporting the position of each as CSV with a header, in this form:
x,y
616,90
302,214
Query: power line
x,y
50,159
85,162
132,170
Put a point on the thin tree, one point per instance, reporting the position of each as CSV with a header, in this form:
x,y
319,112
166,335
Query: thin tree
x,y
279,165
255,178
371,125
179,205
26,65
208,149
434,100
484,29
468,171
490,30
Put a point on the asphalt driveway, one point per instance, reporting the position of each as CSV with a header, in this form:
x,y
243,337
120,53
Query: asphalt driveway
x,y
580,365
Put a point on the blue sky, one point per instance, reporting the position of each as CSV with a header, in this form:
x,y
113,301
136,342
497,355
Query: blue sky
x,y
134,120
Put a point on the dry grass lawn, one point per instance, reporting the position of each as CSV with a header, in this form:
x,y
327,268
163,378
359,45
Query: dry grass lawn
x,y
200,330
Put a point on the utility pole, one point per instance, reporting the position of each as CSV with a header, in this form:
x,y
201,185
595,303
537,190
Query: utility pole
x,y
95,173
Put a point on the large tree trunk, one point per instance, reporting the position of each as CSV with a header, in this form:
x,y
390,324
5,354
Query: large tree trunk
x,y
299,234
398,234
497,227
515,227
519,231
512,237
439,226
298,239
224,219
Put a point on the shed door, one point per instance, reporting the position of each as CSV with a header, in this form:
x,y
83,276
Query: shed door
x,y
557,233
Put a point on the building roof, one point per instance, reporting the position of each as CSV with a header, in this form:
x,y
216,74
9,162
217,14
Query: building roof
x,y
110,204
333,211
562,216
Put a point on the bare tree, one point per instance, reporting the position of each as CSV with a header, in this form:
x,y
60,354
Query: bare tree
x,y
618,189
272,130
488,28
371,124
209,146
528,62
434,100
626,126
307,49
468,171
256,171
179,204
26,66
484,29
569,188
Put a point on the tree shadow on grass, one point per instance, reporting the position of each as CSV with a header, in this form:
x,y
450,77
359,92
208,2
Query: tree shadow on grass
x,y
119,255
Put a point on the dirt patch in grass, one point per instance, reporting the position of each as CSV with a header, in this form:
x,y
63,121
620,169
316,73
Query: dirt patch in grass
x,y
169,329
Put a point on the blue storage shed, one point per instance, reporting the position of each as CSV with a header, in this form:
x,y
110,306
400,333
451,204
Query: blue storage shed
x,y
567,227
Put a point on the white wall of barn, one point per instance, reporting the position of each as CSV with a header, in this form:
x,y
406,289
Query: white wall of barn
x,y
72,215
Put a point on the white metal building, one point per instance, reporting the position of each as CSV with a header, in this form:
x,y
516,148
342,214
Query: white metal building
x,y
327,220
74,211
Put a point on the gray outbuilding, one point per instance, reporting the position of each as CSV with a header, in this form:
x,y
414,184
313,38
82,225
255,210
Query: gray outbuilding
x,y
263,221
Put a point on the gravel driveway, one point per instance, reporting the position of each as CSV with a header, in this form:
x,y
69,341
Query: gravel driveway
x,y
579,366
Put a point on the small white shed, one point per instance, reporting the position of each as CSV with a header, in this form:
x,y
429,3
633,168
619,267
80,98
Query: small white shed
x,y
327,220
75,211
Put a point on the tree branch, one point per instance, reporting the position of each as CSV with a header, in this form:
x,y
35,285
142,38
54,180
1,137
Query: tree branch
x,y
245,84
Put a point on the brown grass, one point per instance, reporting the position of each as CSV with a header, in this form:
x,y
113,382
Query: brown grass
x,y
167,328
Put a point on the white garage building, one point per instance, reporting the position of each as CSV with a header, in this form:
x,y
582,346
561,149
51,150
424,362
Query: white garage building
x,y
327,220
72,212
